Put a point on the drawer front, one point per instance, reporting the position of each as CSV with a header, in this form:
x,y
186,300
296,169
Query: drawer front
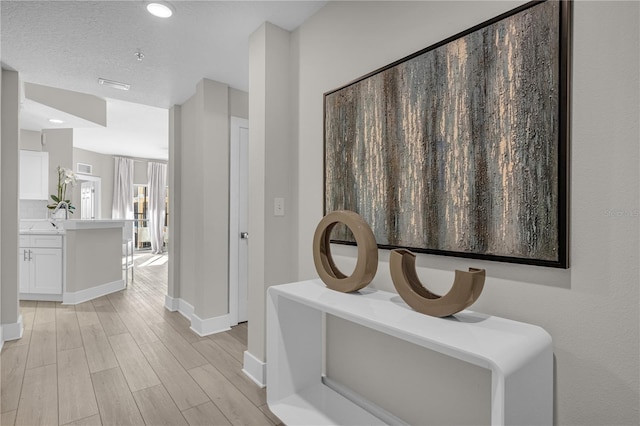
x,y
25,240
52,241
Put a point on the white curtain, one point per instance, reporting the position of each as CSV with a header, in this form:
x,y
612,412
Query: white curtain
x,y
157,178
122,189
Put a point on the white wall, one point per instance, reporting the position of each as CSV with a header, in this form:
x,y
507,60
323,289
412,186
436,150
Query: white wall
x,y
591,310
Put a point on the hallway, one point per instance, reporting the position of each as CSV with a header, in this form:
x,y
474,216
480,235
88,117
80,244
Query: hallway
x,y
124,359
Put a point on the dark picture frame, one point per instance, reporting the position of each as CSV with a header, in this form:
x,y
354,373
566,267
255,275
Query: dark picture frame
x,y
461,149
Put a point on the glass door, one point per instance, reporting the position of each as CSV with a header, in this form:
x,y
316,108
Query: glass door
x,y
141,218
141,221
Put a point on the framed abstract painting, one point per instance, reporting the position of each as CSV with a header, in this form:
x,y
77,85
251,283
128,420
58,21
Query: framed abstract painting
x,y
461,149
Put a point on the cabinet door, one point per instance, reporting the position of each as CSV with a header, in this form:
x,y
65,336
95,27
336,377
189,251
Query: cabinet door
x,y
34,175
46,271
25,273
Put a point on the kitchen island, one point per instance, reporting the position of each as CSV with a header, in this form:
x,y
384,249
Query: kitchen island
x,y
94,259
90,256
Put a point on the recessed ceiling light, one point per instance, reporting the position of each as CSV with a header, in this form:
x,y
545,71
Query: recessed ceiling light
x,y
115,84
55,121
160,9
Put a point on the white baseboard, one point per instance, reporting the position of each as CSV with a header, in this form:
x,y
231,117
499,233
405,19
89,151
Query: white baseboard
x,y
12,331
73,298
40,297
170,303
186,309
208,326
255,369
202,327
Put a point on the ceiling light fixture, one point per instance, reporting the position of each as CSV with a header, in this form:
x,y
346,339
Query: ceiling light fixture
x,y
55,121
160,9
115,84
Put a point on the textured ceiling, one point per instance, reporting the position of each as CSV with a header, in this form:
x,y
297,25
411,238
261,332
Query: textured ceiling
x,y
70,44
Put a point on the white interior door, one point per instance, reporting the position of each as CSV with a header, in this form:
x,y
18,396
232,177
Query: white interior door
x,y
238,238
243,249
87,200
90,206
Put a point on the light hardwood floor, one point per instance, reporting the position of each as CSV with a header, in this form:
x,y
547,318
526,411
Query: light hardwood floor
x,y
124,359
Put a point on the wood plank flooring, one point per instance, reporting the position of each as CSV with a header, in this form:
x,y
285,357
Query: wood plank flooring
x,y
123,359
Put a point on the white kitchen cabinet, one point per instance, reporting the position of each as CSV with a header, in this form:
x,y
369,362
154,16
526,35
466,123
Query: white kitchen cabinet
x,y
25,270
34,175
41,266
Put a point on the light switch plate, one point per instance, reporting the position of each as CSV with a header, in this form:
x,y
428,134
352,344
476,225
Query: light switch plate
x,y
278,206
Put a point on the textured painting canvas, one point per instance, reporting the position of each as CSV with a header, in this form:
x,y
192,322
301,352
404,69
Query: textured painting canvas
x,y
458,149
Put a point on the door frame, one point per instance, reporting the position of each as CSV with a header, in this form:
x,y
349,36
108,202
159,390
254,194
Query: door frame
x,y
234,227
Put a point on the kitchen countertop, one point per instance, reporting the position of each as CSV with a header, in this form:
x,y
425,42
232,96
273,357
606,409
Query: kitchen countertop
x,y
41,227
77,224
54,227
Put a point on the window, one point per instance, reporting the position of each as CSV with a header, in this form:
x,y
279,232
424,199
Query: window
x,y
141,215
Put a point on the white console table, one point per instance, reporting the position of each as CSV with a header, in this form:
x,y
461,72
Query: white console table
x,y
519,355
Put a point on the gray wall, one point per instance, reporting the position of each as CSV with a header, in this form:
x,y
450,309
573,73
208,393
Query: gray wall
x,y
30,140
203,204
453,379
213,292
1,286
191,207
174,175
97,258
102,168
59,145
590,310
32,209
87,107
9,167
272,159
238,103
140,172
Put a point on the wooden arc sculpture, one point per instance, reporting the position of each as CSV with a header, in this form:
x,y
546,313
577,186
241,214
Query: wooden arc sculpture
x,y
466,288
367,263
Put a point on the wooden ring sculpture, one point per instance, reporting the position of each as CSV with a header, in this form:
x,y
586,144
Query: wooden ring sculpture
x,y
367,263
466,288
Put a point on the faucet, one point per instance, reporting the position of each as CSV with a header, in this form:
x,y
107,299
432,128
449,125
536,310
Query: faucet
x,y
60,205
